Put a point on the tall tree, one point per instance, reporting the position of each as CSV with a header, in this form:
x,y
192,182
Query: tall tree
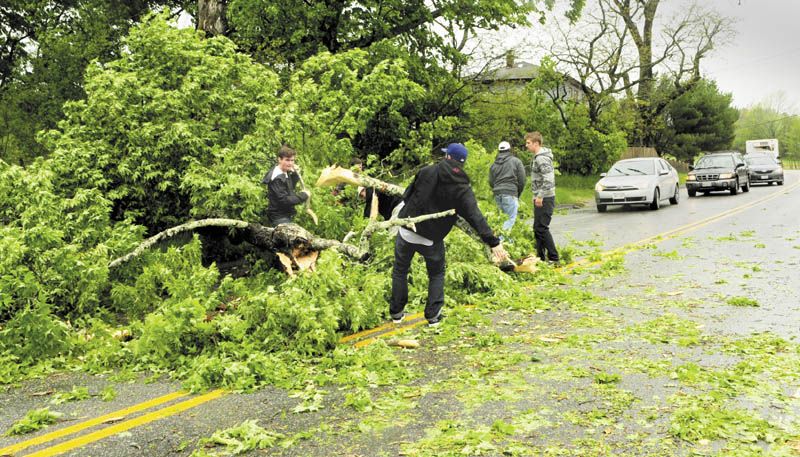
x,y
700,120
617,49
687,39
45,46
429,35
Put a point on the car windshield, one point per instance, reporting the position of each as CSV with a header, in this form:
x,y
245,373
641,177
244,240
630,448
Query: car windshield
x,y
760,161
632,167
715,162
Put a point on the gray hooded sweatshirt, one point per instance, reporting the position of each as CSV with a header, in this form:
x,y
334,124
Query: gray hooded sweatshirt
x,y
507,175
543,176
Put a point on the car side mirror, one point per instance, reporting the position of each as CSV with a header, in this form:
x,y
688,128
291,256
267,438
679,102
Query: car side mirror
x,y
603,175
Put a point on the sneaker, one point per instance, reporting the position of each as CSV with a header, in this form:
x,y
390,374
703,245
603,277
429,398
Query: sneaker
x,y
398,318
434,322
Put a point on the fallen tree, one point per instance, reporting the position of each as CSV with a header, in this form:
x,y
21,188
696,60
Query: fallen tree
x,y
297,249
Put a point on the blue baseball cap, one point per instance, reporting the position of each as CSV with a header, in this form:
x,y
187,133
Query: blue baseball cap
x,y
456,151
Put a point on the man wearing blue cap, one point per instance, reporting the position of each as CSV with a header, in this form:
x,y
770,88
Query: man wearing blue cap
x,y
435,188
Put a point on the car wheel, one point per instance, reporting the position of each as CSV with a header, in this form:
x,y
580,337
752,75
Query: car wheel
x,y
656,203
735,188
601,208
746,187
674,199
691,192
780,183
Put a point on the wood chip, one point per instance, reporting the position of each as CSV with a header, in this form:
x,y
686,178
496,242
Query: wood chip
x,y
404,343
42,394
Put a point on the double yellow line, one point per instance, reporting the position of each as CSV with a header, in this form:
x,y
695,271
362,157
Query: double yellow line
x,y
367,336
361,339
113,429
669,234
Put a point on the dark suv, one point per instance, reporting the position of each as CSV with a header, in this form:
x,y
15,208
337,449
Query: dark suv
x,y
725,170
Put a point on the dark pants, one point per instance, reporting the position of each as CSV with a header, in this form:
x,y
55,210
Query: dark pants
x,y
435,262
545,246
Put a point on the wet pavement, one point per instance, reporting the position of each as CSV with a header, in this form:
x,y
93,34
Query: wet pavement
x,y
626,357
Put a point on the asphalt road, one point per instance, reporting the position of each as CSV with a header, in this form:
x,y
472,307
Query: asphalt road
x,y
695,258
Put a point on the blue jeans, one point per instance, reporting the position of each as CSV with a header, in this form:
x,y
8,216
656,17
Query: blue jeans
x,y
434,261
508,204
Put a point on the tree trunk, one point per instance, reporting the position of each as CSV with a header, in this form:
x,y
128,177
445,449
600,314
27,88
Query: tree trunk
x,y
211,17
287,239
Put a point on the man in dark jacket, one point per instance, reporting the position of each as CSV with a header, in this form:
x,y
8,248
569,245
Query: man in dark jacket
x,y
281,181
507,180
435,188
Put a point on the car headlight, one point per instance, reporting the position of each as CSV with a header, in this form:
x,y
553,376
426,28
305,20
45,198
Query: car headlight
x,y
725,175
599,187
691,178
779,170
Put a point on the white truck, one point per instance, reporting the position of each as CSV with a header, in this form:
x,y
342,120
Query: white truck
x,y
769,146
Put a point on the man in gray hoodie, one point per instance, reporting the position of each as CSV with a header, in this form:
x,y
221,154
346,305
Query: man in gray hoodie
x,y
543,187
507,180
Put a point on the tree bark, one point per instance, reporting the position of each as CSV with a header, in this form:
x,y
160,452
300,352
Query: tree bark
x,y
211,17
291,240
287,239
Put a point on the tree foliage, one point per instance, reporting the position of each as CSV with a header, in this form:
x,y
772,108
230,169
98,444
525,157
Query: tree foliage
x,y
184,126
45,47
619,48
772,117
700,120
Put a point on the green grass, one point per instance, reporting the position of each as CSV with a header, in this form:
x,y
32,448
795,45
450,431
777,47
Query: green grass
x,y
791,164
575,189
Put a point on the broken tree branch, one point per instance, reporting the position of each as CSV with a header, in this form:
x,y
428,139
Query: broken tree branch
x,y
285,238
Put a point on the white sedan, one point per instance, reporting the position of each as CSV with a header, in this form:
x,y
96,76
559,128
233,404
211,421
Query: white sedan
x,y
642,181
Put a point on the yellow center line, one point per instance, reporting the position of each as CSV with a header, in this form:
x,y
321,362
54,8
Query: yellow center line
x,y
376,329
393,332
127,425
669,234
90,423
672,233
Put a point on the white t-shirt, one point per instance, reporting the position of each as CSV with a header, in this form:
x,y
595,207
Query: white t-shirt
x,y
408,235
276,172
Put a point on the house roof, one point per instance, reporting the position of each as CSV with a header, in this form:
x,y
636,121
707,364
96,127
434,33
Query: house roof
x,y
520,71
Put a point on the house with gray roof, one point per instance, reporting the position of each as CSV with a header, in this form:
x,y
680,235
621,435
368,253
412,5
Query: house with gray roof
x,y
514,76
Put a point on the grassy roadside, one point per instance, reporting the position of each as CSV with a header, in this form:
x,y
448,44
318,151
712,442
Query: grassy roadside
x,y
575,189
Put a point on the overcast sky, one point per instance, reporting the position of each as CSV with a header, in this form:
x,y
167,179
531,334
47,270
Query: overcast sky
x,y
765,56
762,61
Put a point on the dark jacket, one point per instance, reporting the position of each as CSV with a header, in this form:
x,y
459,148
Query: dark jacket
x,y
440,187
507,175
282,198
386,203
